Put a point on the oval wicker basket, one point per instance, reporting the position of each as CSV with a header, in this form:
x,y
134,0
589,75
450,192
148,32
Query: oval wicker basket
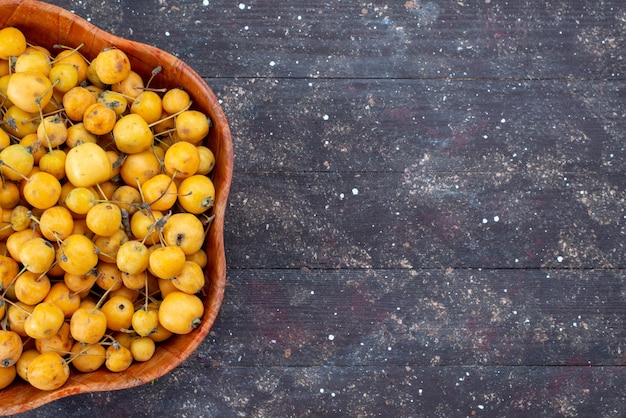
x,y
47,25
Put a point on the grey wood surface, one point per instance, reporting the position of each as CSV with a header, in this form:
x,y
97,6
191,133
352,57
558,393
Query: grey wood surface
x,y
427,215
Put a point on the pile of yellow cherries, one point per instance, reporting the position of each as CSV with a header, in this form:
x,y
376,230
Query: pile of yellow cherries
x,y
105,200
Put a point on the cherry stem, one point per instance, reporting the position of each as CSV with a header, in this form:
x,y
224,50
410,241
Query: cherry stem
x,y
173,115
3,164
105,294
155,71
10,302
4,292
82,352
145,306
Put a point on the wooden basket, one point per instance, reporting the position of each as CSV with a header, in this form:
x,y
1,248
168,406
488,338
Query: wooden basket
x,y
47,25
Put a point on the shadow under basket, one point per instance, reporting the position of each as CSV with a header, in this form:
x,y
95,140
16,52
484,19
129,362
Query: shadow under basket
x,y
47,25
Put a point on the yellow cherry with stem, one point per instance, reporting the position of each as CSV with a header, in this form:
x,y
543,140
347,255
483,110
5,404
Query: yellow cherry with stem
x,y
87,164
184,230
176,100
73,57
108,246
37,255
191,279
132,134
112,65
56,223
76,101
196,194
207,160
123,337
16,162
148,106
119,312
166,262
114,100
24,361
18,122
134,281
81,199
7,375
79,283
12,42
142,348
159,192
145,321
192,126
53,162
10,347
9,195
131,87
181,312
89,324
64,297
20,218
16,240
65,77
9,270
48,371
145,225
32,61
52,131
139,167
127,198
99,119
31,288
61,342
30,91
45,320
181,160
42,190
17,313
118,358
104,219
133,257
108,276
77,254
87,357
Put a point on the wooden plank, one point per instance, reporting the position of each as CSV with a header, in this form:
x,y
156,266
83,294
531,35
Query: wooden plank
x,y
544,130
374,220
419,318
398,391
413,39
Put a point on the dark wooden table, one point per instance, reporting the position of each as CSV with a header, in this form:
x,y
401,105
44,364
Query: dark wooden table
x,y
428,211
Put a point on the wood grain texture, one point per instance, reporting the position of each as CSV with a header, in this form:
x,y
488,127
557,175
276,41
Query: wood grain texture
x,y
427,215
412,39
